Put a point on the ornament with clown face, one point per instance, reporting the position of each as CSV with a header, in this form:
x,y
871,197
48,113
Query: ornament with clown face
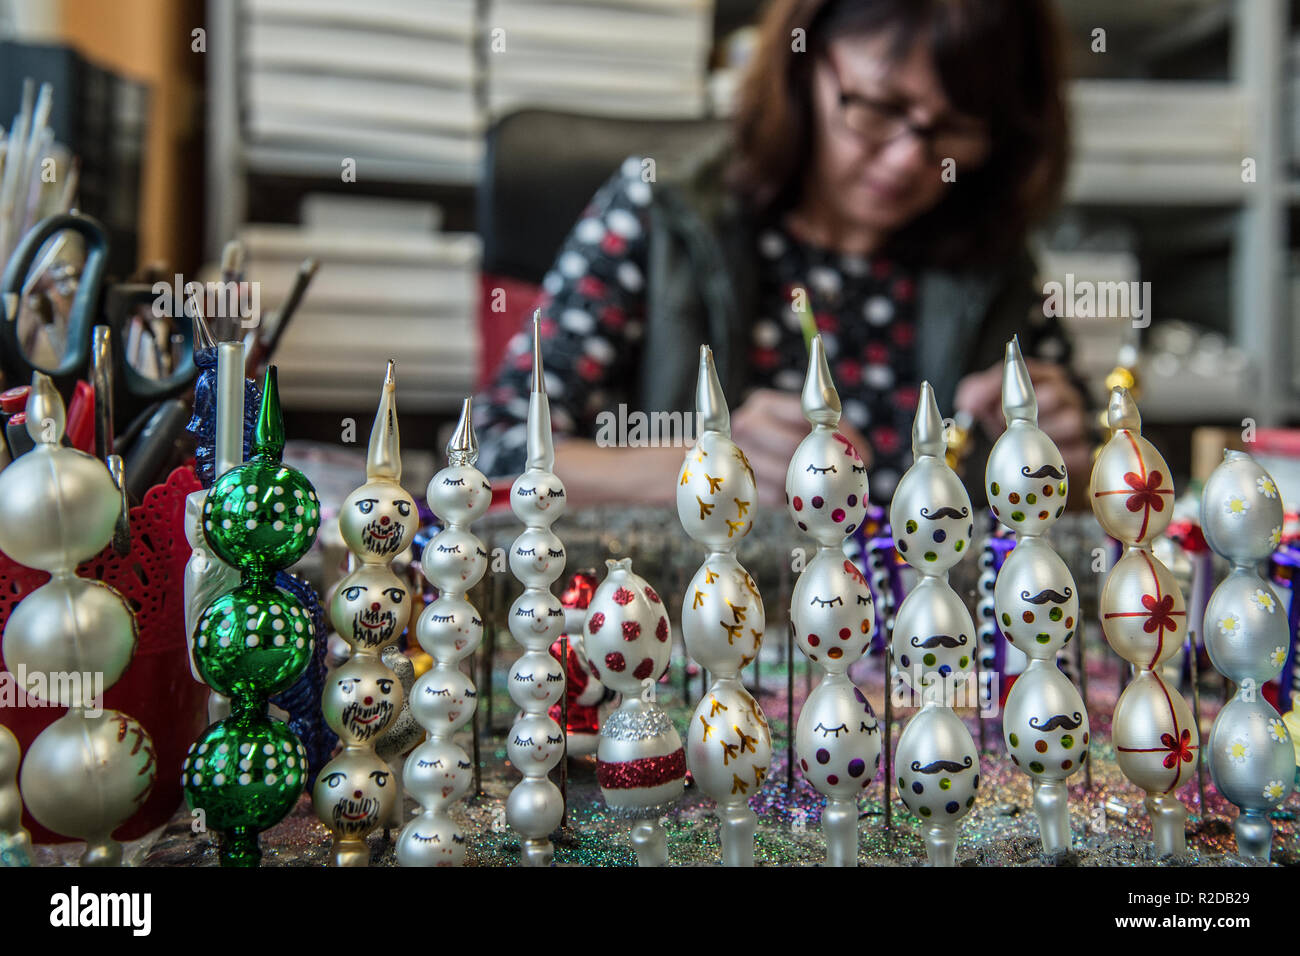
x,y
451,631
826,486
459,494
443,697
454,557
354,793
377,521
536,681
360,700
370,607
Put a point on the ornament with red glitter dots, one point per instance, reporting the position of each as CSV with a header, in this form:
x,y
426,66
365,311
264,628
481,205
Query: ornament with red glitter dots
x,y
729,746
640,763
838,737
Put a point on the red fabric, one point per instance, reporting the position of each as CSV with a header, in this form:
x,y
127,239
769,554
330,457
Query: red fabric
x,y
157,688
502,304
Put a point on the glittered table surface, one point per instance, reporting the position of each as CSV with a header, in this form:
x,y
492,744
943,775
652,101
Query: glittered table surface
x,y
1108,820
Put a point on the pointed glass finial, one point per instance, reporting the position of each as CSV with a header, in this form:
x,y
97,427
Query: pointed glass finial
x,y
821,403
1122,411
46,415
539,380
268,434
203,340
1019,403
927,428
710,403
384,459
541,447
463,447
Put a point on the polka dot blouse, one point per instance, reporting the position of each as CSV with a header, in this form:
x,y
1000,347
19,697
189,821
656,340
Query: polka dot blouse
x,y
593,315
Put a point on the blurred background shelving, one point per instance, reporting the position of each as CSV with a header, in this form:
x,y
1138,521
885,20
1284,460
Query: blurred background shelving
x,y
1170,98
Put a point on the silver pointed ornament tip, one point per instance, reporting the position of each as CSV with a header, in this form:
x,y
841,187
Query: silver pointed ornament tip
x,y
384,458
927,428
46,415
1122,411
463,447
1019,403
710,402
820,400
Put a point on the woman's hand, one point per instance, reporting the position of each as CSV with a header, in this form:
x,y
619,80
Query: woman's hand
x,y
768,427
1061,409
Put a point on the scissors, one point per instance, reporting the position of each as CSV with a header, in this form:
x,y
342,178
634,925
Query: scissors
x,y
92,305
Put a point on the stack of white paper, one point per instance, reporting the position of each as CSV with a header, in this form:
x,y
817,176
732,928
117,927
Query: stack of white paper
x,y
382,291
637,58
386,80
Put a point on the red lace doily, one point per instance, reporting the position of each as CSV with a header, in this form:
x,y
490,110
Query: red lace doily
x,y
157,689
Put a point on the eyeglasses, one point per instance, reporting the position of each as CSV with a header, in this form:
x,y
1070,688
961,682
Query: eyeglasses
x,y
881,121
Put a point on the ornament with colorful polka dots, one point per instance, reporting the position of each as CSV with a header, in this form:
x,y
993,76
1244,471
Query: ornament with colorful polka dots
x,y
723,617
438,772
1251,753
933,647
253,642
1144,620
837,738
1036,602
640,763
536,618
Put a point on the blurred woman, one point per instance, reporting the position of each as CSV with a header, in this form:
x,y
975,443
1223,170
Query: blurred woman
x,y
886,161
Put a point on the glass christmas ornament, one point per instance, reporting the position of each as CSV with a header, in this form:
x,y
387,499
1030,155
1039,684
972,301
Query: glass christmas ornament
x,y
1145,621
357,790
640,763
1251,754
252,642
15,842
838,738
536,681
90,770
728,746
1045,723
933,645
439,772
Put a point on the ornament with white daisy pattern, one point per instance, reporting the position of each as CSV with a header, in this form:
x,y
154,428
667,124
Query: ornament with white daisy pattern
x,y
1252,760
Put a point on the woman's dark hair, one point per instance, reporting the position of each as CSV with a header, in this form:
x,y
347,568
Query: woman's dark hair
x,y
998,60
